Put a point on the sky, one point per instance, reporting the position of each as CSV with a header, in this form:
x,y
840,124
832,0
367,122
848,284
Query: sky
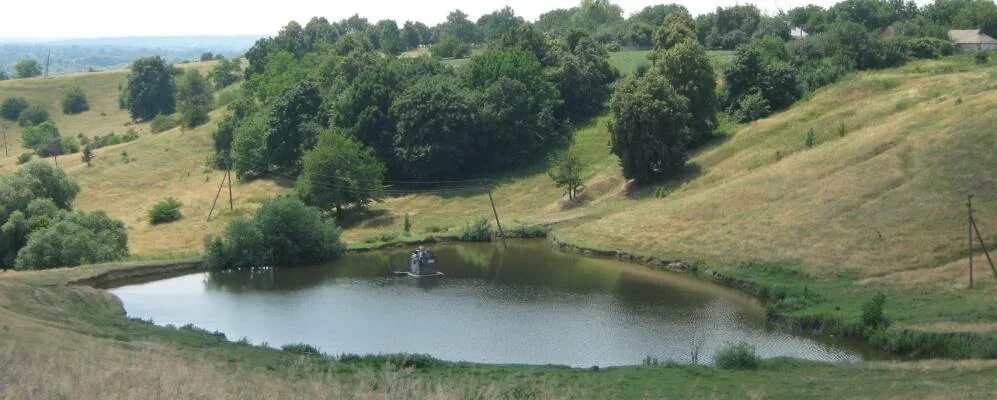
x,y
114,18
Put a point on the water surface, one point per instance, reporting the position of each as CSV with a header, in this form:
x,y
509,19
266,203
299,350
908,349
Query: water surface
x,y
522,303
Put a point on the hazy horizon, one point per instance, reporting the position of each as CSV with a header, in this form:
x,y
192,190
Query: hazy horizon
x,y
67,20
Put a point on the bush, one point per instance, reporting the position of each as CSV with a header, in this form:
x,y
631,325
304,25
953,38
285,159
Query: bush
x,y
982,58
12,107
164,123
301,349
76,238
165,211
810,139
284,232
928,48
737,356
872,312
478,231
527,232
23,158
112,139
753,107
32,115
75,101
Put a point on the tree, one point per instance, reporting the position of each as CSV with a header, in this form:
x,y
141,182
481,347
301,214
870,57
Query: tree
x,y
207,56
389,38
498,23
284,232
295,118
687,67
450,47
30,198
756,71
649,129
194,98
414,34
150,89
436,121
338,172
33,115
225,73
566,171
678,28
3,75
75,101
75,238
12,107
458,26
27,68
46,141
87,155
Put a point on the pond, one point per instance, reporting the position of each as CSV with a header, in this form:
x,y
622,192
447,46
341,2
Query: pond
x,y
518,303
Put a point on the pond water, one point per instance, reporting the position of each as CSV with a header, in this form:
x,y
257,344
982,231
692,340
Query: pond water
x,y
521,303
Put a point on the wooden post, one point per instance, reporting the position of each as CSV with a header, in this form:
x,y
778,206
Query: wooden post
x,y
985,251
494,210
231,204
213,203
4,128
969,207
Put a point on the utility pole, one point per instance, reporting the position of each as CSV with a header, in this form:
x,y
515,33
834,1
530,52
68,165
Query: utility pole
x,y
215,202
494,210
969,206
3,127
228,173
48,59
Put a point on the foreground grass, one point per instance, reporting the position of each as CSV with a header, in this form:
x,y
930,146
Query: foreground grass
x,y
64,341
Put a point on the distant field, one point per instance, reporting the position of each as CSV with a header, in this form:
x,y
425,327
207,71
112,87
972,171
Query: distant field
x,y
627,61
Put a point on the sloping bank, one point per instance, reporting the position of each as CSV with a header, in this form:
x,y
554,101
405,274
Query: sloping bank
x,y
797,303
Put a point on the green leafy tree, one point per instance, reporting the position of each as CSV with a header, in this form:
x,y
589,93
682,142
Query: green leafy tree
x,y
76,238
649,130
679,27
87,155
33,115
450,47
249,156
41,138
688,70
414,34
30,198
12,107
498,23
566,171
194,98
582,74
295,118
3,75
284,232
207,56
436,120
339,172
27,68
752,71
150,90
458,26
225,73
75,101
389,38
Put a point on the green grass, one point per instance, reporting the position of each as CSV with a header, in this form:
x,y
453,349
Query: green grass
x,y
628,61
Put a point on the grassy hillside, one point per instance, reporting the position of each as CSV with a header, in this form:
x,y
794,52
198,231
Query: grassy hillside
x,y
880,208
127,179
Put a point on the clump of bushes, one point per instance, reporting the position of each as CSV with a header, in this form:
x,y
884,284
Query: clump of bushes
x,y
382,238
12,107
32,115
301,349
23,158
284,232
480,230
165,211
395,361
164,123
46,140
527,232
982,58
739,355
75,101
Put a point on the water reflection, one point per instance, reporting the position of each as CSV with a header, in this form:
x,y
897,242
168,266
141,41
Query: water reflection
x,y
521,303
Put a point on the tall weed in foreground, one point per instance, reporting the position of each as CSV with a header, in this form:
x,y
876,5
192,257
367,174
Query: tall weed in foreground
x,y
739,355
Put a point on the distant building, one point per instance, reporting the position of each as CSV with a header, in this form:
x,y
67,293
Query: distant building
x,y
972,40
798,33
889,32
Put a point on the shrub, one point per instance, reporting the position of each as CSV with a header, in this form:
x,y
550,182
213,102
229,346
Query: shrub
x,y
46,140
164,123
527,232
841,129
928,48
810,139
408,225
12,107
284,232
872,312
752,107
75,101
32,115
165,211
23,158
74,239
301,349
478,231
739,355
982,58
